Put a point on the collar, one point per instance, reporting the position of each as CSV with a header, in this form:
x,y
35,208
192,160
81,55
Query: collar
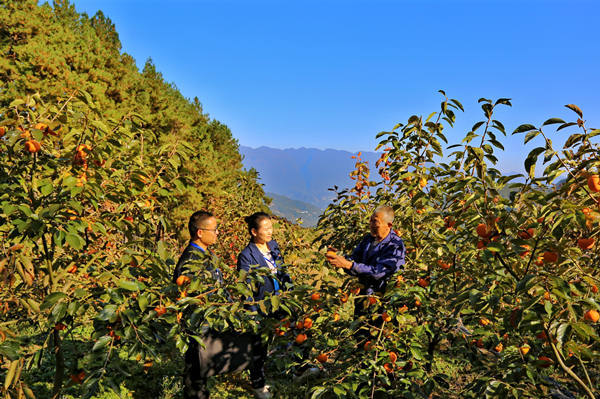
x,y
193,244
384,239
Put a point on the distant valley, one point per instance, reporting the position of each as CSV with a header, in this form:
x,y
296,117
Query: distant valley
x,y
298,179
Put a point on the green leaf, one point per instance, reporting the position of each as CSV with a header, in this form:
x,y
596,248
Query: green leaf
x,y
495,247
583,330
143,302
525,283
128,285
75,241
162,250
317,392
16,103
548,307
477,125
100,125
573,139
504,101
275,302
524,128
46,189
109,313
263,308
553,121
532,159
564,125
51,299
102,343
575,109
560,332
59,311
531,135
458,104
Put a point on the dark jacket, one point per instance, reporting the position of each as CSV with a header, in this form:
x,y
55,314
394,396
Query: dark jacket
x,y
375,264
195,253
251,258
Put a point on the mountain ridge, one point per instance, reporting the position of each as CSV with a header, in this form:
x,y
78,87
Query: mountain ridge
x,y
303,174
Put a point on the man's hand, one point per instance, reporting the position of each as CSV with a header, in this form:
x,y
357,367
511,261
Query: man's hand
x,y
337,260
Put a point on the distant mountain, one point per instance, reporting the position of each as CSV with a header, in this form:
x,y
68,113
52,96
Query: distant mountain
x,y
294,209
303,174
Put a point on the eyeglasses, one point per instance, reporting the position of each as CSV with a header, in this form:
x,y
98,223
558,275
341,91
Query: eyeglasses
x,y
215,230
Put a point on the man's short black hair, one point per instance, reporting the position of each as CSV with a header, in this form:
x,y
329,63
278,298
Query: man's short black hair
x,y
198,221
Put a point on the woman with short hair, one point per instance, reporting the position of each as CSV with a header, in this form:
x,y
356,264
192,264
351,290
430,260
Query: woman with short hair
x,y
263,252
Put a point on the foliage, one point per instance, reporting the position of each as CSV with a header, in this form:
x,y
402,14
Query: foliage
x,y
53,51
498,284
101,165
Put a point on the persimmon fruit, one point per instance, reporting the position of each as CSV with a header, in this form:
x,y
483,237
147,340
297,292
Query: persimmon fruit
x,y
591,315
483,230
593,183
32,146
182,280
322,358
550,256
300,338
586,243
443,265
527,234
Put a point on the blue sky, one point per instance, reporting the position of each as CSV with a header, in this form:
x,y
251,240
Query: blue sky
x,y
332,74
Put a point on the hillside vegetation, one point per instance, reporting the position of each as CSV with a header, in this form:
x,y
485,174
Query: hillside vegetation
x,y
56,53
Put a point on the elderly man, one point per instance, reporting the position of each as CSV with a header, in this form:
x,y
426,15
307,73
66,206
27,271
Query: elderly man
x,y
222,351
377,257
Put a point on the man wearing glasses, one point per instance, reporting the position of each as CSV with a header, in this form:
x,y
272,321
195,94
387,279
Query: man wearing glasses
x,y
221,351
203,233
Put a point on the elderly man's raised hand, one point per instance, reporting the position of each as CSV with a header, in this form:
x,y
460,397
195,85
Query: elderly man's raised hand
x,y
336,260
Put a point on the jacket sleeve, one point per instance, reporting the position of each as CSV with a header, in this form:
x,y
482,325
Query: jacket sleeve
x,y
356,256
181,268
243,263
387,262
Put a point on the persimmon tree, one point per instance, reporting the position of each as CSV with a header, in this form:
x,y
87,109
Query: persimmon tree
x,y
501,271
